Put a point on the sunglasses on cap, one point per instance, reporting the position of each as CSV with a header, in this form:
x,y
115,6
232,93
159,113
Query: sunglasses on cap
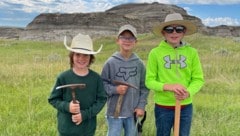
x,y
170,29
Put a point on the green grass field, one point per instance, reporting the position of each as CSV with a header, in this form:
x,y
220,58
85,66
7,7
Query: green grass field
x,y
28,70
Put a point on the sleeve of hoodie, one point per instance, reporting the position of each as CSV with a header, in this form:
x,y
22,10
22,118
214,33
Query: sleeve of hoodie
x,y
143,90
151,73
107,74
197,75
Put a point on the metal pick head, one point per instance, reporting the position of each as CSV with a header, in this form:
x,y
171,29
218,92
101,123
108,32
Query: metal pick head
x,y
72,86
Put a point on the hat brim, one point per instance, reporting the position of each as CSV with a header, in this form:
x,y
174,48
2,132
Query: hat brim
x,y
190,27
81,50
134,34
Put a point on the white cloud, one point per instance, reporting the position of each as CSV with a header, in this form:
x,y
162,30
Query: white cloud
x,y
67,7
63,6
71,6
221,2
2,3
99,5
188,9
15,19
221,21
159,1
39,6
92,5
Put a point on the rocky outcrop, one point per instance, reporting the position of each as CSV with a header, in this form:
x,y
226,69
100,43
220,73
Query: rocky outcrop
x,y
223,31
10,32
142,16
54,26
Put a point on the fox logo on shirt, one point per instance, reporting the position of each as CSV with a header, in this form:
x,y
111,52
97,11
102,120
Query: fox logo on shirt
x,y
126,72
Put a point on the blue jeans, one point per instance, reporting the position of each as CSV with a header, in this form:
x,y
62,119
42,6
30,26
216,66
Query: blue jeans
x,y
115,126
164,119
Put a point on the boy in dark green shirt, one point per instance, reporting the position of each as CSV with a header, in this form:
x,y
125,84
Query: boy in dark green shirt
x,y
78,118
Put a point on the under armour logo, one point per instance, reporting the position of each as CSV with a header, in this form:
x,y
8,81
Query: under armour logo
x,y
181,61
127,72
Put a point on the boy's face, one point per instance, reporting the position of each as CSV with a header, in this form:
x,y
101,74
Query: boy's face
x,y
173,34
81,61
126,41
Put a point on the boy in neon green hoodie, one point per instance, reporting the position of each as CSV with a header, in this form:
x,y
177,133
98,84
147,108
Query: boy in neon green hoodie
x,y
173,73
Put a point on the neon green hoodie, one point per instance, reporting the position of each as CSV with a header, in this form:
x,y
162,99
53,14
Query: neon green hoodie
x,y
168,65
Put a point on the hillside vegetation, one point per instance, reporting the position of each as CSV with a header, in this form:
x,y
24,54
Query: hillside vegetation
x,y
28,70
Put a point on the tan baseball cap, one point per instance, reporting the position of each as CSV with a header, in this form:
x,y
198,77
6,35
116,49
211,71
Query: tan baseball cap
x,y
129,28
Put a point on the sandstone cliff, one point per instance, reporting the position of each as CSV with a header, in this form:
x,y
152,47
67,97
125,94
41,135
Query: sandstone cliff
x,y
142,16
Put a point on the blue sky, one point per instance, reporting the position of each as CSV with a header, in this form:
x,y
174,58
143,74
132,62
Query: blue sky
x,y
19,13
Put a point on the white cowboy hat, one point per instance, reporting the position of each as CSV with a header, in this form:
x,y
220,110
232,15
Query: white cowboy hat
x,y
175,19
81,44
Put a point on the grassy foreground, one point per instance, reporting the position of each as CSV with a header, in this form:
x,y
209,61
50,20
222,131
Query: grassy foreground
x,y
28,70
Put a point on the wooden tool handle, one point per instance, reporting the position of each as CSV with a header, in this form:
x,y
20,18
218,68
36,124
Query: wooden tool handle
x,y
74,96
118,106
177,118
